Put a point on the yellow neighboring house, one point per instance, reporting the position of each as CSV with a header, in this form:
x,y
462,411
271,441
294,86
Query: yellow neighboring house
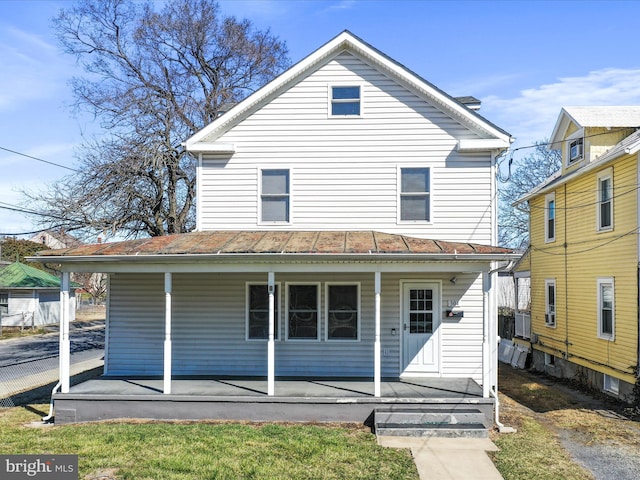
x,y
584,251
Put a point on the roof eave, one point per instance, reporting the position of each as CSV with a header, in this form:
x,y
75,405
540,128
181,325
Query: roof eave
x,y
281,257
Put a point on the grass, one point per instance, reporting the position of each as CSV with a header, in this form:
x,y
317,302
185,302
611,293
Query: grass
x,y
538,409
151,450
534,452
87,314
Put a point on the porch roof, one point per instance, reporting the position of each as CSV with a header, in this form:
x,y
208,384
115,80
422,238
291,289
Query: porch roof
x,y
222,244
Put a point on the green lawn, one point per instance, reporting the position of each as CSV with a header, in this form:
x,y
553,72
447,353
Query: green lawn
x,y
208,450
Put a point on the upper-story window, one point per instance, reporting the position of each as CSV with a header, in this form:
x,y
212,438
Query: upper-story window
x,y
414,194
345,100
605,200
550,218
575,150
275,196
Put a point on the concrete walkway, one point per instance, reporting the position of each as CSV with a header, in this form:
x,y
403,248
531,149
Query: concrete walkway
x,y
448,458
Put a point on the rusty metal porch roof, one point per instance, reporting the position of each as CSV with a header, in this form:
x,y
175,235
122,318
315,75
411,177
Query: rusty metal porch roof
x,y
277,242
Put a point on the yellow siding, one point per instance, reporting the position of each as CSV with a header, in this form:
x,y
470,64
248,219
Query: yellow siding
x,y
576,259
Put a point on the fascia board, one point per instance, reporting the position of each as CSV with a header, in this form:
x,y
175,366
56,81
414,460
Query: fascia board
x,y
275,258
481,144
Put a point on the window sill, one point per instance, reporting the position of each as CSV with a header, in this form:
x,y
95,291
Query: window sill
x,y
608,338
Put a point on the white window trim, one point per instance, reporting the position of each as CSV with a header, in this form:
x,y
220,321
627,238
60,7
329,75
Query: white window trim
x,y
606,281
551,197
603,175
611,384
318,312
259,220
579,134
330,98
399,220
547,282
549,360
326,313
278,319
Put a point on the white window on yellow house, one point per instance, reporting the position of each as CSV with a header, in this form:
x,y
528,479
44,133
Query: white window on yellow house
x,y
550,217
576,150
606,308
605,200
550,302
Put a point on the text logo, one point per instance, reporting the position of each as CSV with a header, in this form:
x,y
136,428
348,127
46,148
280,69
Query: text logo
x,y
50,467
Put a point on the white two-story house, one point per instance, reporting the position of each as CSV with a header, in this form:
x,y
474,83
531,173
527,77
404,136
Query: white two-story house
x,y
346,214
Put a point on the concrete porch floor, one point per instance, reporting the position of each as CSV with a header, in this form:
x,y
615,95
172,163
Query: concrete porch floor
x,y
417,388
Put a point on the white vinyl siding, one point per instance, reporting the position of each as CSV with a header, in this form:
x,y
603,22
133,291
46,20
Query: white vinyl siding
x,y
209,327
346,169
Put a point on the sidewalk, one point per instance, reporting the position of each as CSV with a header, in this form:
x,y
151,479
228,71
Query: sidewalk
x,y
448,458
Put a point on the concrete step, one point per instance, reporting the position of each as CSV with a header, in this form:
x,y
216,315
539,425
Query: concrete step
x,y
432,421
460,430
430,416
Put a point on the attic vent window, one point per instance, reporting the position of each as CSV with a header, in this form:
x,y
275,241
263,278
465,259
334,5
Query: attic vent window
x,y
575,150
345,101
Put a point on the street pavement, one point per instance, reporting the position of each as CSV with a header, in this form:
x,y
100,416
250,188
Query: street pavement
x,y
30,362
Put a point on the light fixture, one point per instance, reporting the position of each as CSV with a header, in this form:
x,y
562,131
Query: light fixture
x,y
453,280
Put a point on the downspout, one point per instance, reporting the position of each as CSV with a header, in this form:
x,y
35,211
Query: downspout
x,y
53,392
493,389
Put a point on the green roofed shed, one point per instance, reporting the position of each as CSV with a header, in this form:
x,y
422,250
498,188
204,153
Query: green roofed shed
x,y
29,296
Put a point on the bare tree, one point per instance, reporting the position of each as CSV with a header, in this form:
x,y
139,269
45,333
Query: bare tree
x,y
530,171
153,79
95,284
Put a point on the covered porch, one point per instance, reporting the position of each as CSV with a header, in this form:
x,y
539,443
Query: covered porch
x,y
248,399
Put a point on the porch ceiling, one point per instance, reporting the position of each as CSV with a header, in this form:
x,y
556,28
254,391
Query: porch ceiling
x,y
279,242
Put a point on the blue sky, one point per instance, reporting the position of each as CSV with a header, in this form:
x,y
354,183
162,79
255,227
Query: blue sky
x,y
523,59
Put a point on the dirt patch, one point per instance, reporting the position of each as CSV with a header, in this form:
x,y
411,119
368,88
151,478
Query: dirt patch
x,y
106,474
594,429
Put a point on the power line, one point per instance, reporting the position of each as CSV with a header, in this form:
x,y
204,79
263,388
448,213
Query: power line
x,y
39,159
14,208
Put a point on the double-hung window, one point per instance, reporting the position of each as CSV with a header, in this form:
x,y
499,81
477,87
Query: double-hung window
x,y
550,218
258,312
275,195
302,311
415,194
345,101
605,200
606,308
343,305
550,302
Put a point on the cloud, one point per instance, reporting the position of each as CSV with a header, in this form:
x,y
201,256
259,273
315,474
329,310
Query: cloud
x,y
32,69
532,114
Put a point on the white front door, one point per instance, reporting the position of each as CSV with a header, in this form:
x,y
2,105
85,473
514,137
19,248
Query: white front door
x,y
420,328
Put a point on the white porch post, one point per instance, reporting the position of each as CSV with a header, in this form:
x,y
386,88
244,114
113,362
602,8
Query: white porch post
x,y
486,367
271,344
376,362
167,333
65,343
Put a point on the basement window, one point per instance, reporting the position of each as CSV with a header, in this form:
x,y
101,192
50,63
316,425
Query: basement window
x,y
611,384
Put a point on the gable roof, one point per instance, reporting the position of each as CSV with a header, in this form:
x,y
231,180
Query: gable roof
x,y
596,116
628,146
221,244
19,275
492,137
